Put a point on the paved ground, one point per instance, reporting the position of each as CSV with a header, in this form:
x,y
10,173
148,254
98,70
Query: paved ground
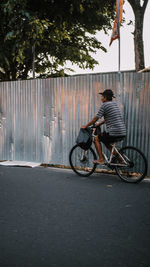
x,y
53,218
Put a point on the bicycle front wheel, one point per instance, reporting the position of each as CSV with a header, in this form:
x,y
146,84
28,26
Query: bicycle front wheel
x,y
134,168
81,161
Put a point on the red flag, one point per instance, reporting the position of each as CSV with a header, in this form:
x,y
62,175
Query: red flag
x,y
115,34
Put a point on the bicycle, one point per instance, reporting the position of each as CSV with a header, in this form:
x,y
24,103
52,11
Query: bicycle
x,y
129,162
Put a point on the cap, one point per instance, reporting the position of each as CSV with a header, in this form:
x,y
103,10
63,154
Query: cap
x,y
108,92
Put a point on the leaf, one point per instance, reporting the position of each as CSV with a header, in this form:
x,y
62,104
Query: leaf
x,y
10,35
109,185
130,23
60,30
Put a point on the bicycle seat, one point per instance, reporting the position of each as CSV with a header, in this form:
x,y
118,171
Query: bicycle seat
x,y
119,139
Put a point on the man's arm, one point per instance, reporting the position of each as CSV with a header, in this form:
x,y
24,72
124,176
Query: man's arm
x,y
100,123
90,123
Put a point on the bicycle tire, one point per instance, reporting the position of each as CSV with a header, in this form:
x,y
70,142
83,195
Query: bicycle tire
x,y
85,167
136,169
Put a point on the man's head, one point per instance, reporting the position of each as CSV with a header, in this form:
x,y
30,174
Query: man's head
x,y
107,95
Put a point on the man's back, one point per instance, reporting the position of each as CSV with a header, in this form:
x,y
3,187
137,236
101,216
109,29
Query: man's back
x,y
113,118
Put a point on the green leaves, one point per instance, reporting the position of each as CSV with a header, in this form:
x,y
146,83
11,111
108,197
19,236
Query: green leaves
x,y
60,31
10,35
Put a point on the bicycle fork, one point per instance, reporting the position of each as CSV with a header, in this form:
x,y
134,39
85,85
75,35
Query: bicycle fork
x,y
83,156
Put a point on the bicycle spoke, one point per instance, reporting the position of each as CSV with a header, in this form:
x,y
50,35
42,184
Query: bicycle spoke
x,y
136,167
82,161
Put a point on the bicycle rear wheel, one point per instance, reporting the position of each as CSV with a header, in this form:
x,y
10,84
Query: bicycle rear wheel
x,y
135,168
81,161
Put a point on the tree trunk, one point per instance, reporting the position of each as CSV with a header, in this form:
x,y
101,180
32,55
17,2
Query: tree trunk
x,y
139,11
138,40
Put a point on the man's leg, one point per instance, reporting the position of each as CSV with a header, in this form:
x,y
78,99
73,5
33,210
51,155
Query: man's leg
x,y
115,153
98,147
110,149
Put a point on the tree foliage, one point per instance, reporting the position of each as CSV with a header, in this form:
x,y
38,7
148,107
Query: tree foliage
x,y
59,31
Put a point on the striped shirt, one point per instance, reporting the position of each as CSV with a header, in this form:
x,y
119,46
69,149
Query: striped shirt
x,y
113,118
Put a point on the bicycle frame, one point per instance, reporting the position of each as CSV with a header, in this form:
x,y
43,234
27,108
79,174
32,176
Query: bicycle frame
x,y
108,161
114,149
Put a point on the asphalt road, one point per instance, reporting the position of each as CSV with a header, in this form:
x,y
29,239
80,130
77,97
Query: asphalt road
x,y
53,218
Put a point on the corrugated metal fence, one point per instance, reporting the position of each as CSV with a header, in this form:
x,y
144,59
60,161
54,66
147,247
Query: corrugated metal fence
x,y
40,119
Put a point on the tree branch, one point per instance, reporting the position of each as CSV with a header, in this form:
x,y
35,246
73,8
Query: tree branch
x,y
144,5
132,3
136,4
2,75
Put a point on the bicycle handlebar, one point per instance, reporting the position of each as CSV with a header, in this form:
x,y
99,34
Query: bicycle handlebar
x,y
94,126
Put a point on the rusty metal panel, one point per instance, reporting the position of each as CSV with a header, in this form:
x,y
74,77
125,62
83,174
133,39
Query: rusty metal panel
x,y
40,119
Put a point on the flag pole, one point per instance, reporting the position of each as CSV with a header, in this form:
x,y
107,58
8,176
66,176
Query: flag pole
x,y
33,60
118,26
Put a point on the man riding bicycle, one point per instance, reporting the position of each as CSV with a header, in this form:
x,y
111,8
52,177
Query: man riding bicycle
x,y
115,126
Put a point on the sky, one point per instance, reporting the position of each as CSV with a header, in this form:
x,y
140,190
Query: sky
x,y
108,62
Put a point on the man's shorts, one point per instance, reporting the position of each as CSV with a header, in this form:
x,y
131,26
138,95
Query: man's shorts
x,y
107,139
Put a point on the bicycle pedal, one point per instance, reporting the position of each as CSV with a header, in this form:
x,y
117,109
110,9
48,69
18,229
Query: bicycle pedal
x,y
83,159
109,166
